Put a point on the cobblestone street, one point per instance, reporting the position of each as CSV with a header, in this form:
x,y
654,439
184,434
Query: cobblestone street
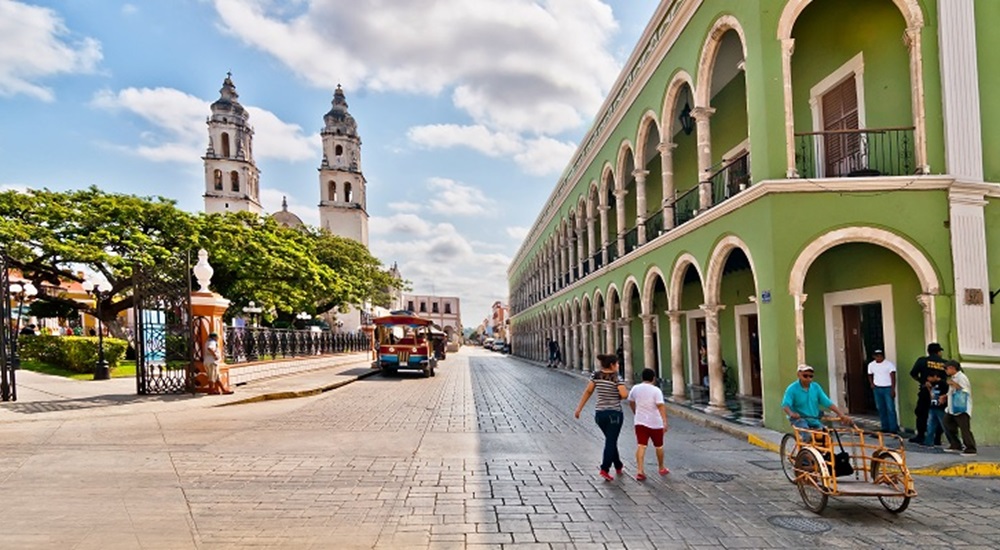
x,y
484,455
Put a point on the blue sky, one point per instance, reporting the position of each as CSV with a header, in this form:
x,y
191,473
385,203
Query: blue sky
x,y
468,110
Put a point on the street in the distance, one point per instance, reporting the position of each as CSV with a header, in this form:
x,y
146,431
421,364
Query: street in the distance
x,y
486,454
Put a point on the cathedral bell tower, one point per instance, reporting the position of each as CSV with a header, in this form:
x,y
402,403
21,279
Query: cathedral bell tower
x,y
232,180
342,207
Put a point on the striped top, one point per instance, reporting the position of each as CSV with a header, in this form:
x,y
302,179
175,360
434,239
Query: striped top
x,y
606,388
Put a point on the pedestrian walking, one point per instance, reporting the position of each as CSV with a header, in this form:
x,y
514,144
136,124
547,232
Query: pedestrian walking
x,y
610,392
931,362
211,361
958,413
882,377
646,402
554,356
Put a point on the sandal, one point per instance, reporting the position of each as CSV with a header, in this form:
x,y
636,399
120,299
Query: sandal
x,y
640,477
664,471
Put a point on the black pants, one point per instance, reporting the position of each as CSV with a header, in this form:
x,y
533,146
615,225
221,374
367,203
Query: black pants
x,y
955,422
610,422
923,405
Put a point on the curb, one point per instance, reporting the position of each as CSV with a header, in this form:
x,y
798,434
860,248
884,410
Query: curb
x,y
968,469
298,393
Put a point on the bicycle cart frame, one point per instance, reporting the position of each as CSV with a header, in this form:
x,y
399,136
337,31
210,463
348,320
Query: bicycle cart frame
x,y
879,462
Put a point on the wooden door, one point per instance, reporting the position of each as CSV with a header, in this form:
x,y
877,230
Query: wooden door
x,y
857,391
842,150
754,341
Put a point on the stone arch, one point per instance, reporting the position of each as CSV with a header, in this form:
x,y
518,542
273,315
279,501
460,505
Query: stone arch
x,y
649,285
709,51
631,285
673,92
611,295
647,124
910,9
624,150
918,261
717,263
607,175
676,288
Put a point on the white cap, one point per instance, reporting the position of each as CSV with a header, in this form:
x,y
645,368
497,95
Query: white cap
x,y
804,367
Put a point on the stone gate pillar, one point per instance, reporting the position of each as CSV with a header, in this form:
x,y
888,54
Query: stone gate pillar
x,y
208,309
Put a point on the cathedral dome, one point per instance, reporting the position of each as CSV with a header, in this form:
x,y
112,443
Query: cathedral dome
x,y
228,102
286,218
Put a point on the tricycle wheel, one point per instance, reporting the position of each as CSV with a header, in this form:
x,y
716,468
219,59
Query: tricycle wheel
x,y
787,457
888,470
432,371
428,372
810,474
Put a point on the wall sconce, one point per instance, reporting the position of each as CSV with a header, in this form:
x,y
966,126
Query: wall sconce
x,y
687,123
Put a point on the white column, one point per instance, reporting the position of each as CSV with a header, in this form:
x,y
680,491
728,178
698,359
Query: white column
x,y
585,361
666,150
609,336
717,389
972,284
648,346
912,37
800,330
626,325
963,139
677,357
620,195
640,203
591,244
571,250
580,248
702,116
787,49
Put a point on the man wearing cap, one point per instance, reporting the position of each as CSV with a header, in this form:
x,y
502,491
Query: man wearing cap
x,y
882,377
805,399
933,362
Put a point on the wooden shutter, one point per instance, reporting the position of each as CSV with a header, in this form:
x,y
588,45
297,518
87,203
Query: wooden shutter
x,y
840,112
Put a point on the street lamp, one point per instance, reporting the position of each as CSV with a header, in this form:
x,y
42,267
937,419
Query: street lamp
x,y
303,316
100,291
253,310
340,325
22,292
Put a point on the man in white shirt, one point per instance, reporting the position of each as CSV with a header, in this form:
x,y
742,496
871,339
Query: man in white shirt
x,y
882,377
646,402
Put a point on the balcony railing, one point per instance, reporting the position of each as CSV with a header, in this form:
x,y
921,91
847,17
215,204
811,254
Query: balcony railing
x,y
654,225
855,153
247,344
597,261
686,206
613,251
732,178
631,239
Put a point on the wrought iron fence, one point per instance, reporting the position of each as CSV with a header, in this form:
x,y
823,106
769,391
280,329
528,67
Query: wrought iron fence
x,y
631,239
654,225
855,153
612,251
686,206
732,178
8,382
597,260
249,344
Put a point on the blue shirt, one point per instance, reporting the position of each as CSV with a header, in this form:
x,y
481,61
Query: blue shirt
x,y
806,403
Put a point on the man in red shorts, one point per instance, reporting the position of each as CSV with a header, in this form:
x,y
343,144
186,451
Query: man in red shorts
x,y
646,401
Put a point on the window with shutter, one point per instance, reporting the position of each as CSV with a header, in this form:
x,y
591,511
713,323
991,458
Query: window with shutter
x,y
842,150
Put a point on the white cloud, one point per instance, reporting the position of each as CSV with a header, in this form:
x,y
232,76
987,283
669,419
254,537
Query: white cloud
x,y
4,187
36,44
129,9
404,206
539,156
517,232
452,198
491,54
271,198
438,259
179,133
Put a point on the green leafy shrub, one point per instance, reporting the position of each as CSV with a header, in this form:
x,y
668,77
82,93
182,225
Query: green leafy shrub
x,y
75,353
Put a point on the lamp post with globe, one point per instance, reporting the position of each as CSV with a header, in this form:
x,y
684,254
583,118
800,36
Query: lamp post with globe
x,y
253,310
25,291
100,290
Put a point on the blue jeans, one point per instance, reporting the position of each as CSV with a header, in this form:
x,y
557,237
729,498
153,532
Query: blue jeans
x,y
610,422
935,426
886,408
806,423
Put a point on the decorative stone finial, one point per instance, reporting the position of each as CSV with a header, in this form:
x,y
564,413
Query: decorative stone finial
x,y
284,203
203,271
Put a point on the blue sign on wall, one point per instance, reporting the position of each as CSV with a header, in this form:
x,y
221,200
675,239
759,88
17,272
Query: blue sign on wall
x,y
765,296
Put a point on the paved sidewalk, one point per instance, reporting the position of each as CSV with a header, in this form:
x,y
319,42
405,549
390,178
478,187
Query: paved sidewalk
x,y
921,460
53,396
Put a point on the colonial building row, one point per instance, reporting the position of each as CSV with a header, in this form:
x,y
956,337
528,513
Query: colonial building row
x,y
773,182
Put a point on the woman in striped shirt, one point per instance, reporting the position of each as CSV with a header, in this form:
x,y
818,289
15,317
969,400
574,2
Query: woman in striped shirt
x,y
610,392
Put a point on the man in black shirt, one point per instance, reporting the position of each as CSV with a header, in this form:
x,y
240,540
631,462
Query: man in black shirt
x,y
933,362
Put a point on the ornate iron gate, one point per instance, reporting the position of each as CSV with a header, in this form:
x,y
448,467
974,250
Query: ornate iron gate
x,y
8,384
164,344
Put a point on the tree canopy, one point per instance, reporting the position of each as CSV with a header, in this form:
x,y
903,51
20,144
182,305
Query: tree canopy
x,y
52,236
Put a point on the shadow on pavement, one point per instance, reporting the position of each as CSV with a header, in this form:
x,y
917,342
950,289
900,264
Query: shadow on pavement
x,y
35,407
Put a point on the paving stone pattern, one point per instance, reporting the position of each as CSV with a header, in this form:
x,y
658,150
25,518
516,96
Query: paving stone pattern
x,y
486,454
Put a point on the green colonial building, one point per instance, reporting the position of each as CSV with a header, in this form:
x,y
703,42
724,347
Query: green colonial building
x,y
772,182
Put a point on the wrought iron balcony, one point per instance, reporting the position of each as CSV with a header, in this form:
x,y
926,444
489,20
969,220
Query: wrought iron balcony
x,y
686,206
654,225
597,260
867,152
612,251
733,177
631,239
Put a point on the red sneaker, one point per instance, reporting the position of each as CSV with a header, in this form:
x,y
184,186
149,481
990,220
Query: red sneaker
x,y
620,471
664,471
640,477
606,476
